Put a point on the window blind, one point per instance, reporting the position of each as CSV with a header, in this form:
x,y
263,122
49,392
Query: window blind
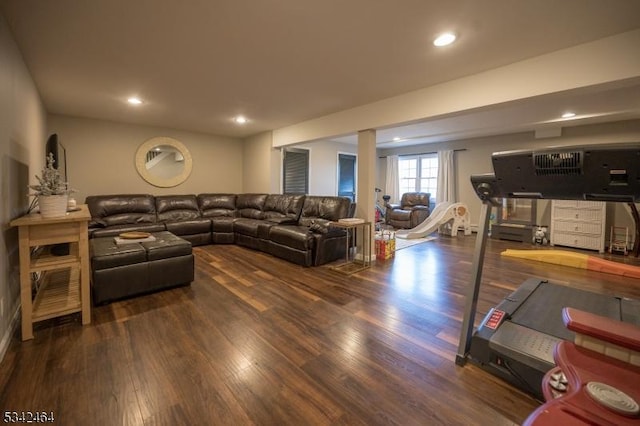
x,y
295,171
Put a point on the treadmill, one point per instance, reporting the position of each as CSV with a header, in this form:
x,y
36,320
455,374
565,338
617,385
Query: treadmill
x,y
516,339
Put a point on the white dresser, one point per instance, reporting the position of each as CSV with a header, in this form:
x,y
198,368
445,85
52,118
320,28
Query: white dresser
x,y
580,224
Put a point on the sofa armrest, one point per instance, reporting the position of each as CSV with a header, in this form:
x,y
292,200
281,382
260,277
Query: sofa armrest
x,y
420,207
93,224
609,330
319,228
393,206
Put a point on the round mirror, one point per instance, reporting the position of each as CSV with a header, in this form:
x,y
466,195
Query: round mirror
x,y
163,162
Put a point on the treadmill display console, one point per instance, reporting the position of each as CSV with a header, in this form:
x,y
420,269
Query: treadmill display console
x,y
598,173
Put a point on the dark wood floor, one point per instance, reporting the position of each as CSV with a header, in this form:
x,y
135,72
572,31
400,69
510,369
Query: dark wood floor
x,y
257,340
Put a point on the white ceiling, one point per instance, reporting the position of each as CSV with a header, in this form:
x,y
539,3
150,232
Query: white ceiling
x,y
198,63
542,114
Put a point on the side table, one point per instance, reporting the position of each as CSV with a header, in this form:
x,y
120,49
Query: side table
x,y
64,282
359,238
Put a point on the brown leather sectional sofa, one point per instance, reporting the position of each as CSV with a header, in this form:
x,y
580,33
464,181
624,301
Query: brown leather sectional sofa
x,y
292,227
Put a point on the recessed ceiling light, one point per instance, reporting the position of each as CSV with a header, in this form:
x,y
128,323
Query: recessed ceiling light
x,y
396,139
240,119
568,115
134,101
444,39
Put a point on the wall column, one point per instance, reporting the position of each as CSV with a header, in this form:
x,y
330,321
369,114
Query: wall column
x,y
366,199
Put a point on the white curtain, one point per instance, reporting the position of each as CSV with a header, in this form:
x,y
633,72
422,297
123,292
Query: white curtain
x,y
392,183
446,177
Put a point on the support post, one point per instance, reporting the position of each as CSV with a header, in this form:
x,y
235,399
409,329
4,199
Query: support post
x,y
366,200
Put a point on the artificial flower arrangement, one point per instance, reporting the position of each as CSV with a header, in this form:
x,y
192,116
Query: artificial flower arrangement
x,y
50,184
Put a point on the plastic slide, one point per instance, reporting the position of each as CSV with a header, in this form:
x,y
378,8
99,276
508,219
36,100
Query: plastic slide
x,y
576,260
457,214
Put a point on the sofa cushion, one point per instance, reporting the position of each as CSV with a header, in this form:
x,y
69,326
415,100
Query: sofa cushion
x,y
113,231
173,208
321,210
111,210
105,253
217,205
189,227
246,226
165,246
253,227
222,224
250,205
283,208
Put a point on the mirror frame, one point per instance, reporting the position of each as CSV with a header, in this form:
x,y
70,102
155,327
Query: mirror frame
x,y
141,155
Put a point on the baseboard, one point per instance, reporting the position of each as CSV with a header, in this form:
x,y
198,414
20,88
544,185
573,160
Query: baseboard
x,y
6,339
359,257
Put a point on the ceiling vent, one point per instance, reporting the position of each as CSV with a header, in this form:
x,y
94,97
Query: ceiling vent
x,y
558,163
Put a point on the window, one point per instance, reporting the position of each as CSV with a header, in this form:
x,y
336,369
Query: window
x,y
419,174
295,171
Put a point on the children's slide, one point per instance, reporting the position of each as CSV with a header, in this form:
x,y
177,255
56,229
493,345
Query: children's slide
x,y
576,260
455,214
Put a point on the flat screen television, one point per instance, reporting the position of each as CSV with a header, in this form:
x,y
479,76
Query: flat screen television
x,y
59,155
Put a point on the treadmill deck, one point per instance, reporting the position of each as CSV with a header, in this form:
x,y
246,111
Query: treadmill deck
x,y
520,348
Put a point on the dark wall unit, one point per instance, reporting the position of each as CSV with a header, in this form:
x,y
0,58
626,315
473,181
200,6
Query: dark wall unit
x,y
59,155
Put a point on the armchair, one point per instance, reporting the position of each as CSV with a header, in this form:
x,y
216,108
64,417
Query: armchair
x,y
412,210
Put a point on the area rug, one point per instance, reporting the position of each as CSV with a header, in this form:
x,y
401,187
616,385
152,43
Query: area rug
x,y
403,243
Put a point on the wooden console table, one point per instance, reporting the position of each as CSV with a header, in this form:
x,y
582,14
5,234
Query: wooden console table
x,y
63,287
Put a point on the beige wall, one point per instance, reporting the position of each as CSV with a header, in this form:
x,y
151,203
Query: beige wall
x,y
100,158
22,143
323,165
261,165
476,158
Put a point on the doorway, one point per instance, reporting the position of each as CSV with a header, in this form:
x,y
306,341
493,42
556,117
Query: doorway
x,y
347,176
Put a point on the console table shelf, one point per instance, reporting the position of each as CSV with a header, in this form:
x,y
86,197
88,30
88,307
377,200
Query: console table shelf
x,y
59,294
46,261
64,282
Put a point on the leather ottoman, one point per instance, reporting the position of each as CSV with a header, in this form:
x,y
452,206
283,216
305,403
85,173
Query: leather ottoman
x,y
125,270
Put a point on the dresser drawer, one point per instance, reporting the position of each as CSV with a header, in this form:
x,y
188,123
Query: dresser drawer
x,y
586,214
578,204
579,227
576,240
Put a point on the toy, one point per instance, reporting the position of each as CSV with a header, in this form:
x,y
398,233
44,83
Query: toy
x,y
455,215
540,236
619,240
576,260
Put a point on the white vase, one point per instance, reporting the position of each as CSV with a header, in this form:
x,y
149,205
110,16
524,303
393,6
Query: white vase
x,y
52,206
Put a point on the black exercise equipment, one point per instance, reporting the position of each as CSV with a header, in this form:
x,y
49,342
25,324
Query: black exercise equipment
x,y
515,340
